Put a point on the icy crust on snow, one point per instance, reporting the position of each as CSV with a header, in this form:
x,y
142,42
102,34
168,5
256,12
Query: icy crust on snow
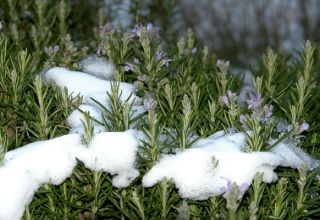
x,y
86,85
52,161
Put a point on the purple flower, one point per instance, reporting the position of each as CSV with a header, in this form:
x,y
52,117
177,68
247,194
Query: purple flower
x,y
107,28
228,99
223,65
46,50
243,187
159,55
136,30
224,99
149,27
51,51
303,127
100,50
128,67
56,48
167,61
194,50
149,104
254,102
267,113
243,119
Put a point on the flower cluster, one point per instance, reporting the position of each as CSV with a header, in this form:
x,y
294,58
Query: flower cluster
x,y
138,29
229,99
259,112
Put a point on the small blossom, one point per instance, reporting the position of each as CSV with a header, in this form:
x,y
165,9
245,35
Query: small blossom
x,y
303,127
149,27
100,50
51,51
194,50
254,102
56,48
159,55
136,30
267,113
1,25
228,99
224,99
223,65
128,67
149,104
167,61
46,50
107,28
242,119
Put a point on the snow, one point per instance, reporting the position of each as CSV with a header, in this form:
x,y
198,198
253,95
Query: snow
x,y
77,116
115,153
88,86
52,161
206,169
26,168
294,157
98,66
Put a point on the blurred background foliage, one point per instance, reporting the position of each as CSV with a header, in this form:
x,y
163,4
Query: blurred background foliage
x,y
235,30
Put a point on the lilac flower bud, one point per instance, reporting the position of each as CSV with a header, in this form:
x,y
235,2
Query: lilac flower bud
x,y
224,99
242,119
149,27
46,50
149,104
56,48
267,113
159,55
303,127
194,50
167,61
128,67
136,30
254,102
223,65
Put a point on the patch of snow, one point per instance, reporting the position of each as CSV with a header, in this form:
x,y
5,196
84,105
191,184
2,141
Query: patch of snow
x,y
77,116
206,169
115,153
28,167
294,157
79,83
98,66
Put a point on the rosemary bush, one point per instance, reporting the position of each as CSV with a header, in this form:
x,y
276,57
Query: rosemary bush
x,y
188,92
